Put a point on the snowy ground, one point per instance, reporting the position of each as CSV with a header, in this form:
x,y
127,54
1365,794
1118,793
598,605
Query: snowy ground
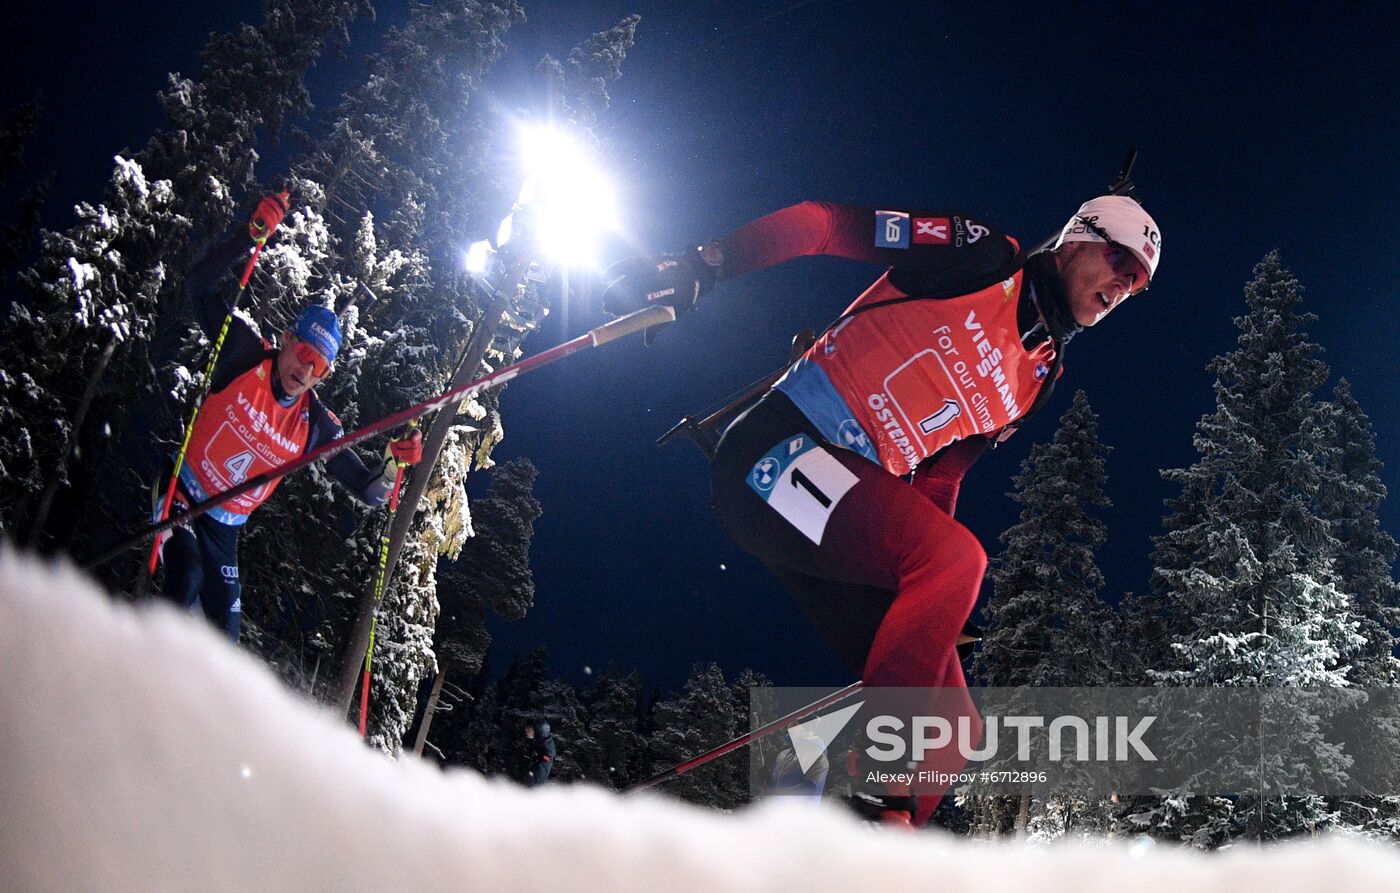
x,y
138,751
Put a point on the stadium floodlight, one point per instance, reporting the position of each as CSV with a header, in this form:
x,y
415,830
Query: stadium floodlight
x,y
527,192
505,230
477,257
571,203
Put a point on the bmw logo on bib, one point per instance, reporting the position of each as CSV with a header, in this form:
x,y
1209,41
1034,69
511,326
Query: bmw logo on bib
x,y
765,473
803,482
853,437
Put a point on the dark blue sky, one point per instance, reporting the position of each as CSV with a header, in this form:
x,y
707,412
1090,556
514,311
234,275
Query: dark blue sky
x,y
1257,131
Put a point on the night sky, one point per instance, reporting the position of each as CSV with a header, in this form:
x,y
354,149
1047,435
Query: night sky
x,y
1256,131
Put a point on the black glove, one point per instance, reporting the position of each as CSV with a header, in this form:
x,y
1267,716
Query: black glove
x,y
675,280
967,639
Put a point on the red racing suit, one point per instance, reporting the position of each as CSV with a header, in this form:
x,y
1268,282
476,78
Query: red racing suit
x,y
951,345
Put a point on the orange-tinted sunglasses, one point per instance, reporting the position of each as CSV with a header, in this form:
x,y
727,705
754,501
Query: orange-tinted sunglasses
x,y
308,355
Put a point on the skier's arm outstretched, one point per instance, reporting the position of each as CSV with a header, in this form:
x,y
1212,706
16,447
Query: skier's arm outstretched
x,y
371,484
942,251
928,250
209,301
209,297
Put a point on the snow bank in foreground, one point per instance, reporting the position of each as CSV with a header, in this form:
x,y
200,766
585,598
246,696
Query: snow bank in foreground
x,y
138,751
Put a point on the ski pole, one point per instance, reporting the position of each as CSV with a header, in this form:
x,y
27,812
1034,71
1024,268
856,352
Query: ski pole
x,y
379,587
776,725
597,337
154,558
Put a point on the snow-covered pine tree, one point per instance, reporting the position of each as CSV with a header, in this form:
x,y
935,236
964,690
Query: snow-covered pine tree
x,y
1246,566
557,703
464,736
704,715
381,162
525,695
613,757
492,572
1045,622
1142,644
494,741
1350,497
451,313
579,87
95,310
753,699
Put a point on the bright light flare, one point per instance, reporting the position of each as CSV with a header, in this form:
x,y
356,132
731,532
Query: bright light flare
x,y
571,203
477,256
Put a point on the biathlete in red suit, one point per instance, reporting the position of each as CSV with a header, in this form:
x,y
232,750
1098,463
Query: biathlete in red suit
x,y
844,477
261,412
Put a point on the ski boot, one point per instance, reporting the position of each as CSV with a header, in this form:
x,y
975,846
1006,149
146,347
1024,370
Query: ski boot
x,y
891,810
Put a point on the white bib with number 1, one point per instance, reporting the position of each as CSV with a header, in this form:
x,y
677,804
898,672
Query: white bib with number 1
x,y
803,483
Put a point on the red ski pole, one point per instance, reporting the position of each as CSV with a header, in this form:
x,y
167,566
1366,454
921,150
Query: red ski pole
x,y
379,590
198,404
776,725
154,558
611,331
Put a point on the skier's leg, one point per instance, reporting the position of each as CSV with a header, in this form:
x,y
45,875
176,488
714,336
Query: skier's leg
x,y
221,593
184,572
179,552
879,533
939,565
847,615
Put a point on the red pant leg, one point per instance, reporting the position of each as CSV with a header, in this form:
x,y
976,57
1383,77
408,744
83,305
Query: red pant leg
x,y
882,533
916,644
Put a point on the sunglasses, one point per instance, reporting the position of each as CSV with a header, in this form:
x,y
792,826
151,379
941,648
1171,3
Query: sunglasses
x,y
308,355
1120,260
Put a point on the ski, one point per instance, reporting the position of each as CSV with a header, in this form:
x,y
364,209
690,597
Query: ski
x,y
776,725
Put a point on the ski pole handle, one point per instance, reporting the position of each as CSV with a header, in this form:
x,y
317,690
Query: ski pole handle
x,y
632,323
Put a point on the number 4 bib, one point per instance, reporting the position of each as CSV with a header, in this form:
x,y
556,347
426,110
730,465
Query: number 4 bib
x,y
802,482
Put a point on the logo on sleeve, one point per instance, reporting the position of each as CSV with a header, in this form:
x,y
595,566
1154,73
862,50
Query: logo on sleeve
x,y
932,231
891,229
965,230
